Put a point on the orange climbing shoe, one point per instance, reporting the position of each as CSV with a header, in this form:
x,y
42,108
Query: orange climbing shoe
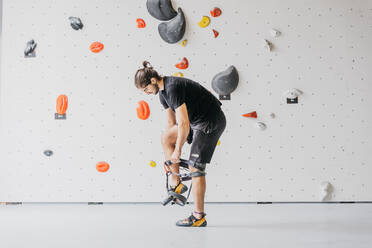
x,y
180,188
192,221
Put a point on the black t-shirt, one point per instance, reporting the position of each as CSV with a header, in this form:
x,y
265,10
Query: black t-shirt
x,y
201,104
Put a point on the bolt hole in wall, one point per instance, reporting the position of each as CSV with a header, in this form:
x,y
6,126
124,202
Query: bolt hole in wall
x,y
292,80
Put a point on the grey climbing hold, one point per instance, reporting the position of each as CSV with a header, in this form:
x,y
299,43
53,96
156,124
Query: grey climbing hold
x,y
161,9
260,125
224,83
268,45
326,191
48,153
30,49
173,31
76,23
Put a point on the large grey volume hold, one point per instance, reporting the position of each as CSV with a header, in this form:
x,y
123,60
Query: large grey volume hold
x,y
161,9
173,31
224,83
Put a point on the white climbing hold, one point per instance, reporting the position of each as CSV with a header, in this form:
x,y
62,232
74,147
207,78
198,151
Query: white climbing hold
x,y
272,115
292,93
326,191
267,45
275,33
260,125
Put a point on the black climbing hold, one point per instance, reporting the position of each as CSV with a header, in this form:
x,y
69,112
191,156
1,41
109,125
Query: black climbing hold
x,y
48,153
30,48
161,9
224,83
292,100
76,23
173,31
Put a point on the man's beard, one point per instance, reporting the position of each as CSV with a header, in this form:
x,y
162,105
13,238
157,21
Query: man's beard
x,y
157,89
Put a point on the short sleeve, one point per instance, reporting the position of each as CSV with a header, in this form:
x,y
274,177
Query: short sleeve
x,y
176,95
162,101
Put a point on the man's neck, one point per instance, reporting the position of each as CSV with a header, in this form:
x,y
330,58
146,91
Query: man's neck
x,y
161,84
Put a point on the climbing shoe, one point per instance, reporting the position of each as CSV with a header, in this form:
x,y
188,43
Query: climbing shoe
x,y
179,189
192,221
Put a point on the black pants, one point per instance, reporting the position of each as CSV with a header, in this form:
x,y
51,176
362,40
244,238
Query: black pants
x,y
204,136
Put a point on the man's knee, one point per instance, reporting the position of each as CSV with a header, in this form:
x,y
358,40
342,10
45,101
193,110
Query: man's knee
x,y
198,171
167,138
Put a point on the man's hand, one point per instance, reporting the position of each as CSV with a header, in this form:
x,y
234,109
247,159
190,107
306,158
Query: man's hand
x,y
176,156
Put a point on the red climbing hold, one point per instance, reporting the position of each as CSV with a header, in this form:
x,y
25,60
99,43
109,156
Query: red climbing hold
x,y
62,104
252,114
141,23
216,33
184,64
102,166
216,12
143,110
96,47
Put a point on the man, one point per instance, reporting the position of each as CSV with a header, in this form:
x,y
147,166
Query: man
x,y
194,115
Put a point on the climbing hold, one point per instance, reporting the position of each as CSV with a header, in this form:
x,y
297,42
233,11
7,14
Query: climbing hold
x,y
216,12
173,31
161,9
216,33
96,47
62,103
224,83
268,45
326,191
76,23
143,110
184,64
30,48
275,33
218,142
102,166
141,23
61,106
152,163
251,114
204,22
184,42
178,74
48,153
272,115
260,125
292,95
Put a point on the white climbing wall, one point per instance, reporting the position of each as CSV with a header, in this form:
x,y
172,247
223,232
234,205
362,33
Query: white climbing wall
x,y
324,51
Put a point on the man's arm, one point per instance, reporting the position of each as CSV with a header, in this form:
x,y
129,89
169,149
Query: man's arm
x,y
171,116
183,126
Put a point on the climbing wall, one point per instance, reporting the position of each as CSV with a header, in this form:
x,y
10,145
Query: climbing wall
x,y
310,87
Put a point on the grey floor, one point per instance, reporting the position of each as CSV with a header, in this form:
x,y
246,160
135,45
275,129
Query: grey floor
x,y
152,225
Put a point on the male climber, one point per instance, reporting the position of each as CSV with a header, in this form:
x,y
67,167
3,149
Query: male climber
x,y
194,115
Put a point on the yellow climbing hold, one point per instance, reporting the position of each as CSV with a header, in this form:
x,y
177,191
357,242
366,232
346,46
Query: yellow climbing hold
x,y
152,163
204,22
219,142
178,74
184,42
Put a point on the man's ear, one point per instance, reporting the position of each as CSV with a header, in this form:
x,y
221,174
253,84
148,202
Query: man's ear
x,y
153,80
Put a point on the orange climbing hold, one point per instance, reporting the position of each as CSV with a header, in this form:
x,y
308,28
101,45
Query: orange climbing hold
x,y
184,64
62,104
143,110
102,166
141,23
252,114
96,47
216,33
216,12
